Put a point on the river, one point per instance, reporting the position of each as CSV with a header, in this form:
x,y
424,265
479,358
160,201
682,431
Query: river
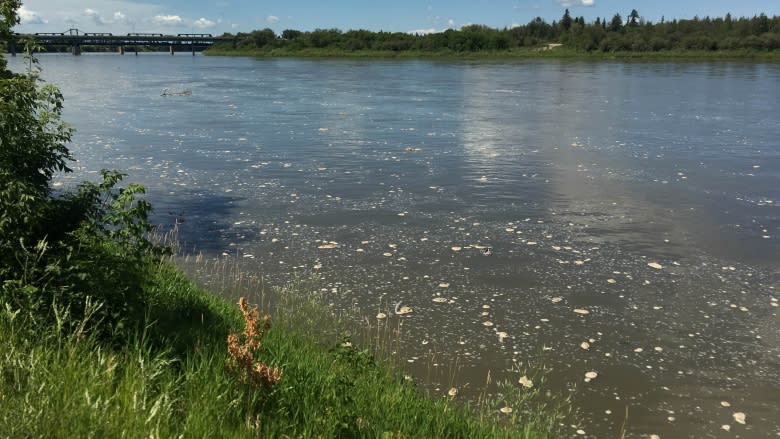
x,y
620,218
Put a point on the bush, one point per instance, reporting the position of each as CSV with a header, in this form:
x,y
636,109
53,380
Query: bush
x,y
699,42
770,41
752,42
59,251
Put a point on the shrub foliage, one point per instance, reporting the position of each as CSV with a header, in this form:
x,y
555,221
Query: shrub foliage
x,y
61,249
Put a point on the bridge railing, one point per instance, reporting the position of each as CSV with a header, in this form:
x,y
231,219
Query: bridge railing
x,y
75,39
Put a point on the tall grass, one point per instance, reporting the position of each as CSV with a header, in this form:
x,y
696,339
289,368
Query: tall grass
x,y
302,308
171,379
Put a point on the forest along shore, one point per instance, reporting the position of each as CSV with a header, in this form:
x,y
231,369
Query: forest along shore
x,y
632,37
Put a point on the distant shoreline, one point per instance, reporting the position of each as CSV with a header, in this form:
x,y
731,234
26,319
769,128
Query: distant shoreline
x,y
513,54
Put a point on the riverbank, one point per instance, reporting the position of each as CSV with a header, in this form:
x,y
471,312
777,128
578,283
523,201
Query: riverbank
x,y
171,379
513,54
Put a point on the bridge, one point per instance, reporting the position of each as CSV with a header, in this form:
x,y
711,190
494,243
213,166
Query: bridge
x,y
73,40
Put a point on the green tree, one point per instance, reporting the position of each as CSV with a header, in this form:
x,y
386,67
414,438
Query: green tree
x,y
616,25
322,38
566,21
291,34
633,18
262,38
761,24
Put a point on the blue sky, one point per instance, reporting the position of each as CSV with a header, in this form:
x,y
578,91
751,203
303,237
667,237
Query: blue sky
x,y
217,16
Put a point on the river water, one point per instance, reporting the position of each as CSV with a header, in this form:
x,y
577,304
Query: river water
x,y
519,208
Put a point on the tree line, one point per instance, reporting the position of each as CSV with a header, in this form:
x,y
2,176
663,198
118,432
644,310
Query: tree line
x,y
632,33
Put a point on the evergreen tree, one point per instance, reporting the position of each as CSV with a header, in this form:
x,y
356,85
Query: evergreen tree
x,y
633,18
616,25
566,21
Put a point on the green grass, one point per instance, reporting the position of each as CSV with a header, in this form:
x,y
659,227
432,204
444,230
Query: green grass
x,y
170,379
518,53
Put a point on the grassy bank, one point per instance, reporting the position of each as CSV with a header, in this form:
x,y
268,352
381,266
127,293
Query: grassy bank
x,y
170,379
514,54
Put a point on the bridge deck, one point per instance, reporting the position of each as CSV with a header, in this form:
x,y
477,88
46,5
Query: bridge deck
x,y
123,40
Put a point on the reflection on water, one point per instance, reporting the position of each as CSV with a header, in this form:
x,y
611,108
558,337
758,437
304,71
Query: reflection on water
x,y
630,210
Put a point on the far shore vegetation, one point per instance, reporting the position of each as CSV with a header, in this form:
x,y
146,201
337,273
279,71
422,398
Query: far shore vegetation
x,y
629,37
102,335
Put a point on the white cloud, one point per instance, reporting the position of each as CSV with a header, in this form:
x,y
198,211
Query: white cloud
x,y
94,16
121,18
203,23
272,19
29,17
450,22
59,15
573,3
167,20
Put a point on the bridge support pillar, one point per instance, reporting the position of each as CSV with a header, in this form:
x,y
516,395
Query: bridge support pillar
x,y
121,50
76,49
170,49
193,49
12,47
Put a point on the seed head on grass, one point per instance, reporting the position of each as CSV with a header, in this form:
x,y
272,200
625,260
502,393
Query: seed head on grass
x,y
244,347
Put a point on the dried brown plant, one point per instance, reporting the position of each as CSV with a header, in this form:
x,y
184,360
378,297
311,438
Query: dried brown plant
x,y
244,347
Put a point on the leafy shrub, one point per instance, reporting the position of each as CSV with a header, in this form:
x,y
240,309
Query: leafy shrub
x,y
61,250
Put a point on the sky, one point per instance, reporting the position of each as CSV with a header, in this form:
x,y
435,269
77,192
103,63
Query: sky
x,y
421,16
